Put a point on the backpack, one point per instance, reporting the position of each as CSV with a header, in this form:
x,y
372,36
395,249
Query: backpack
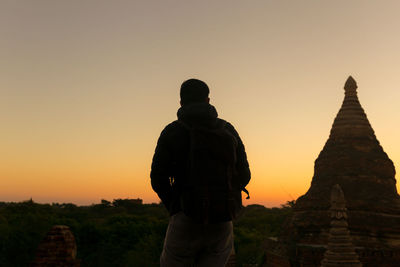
x,y
210,193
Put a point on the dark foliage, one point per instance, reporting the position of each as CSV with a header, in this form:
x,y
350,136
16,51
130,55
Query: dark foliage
x,y
119,233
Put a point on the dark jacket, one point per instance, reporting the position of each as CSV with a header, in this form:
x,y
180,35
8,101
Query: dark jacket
x,y
169,166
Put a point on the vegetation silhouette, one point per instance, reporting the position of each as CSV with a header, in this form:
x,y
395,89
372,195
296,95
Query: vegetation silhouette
x,y
120,233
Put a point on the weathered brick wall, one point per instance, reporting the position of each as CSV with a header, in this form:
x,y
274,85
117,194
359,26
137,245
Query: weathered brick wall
x,y
58,248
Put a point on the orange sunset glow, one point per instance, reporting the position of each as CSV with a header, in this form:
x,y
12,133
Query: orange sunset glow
x,y
86,87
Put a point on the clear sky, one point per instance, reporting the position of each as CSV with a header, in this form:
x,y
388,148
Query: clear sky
x,y
87,86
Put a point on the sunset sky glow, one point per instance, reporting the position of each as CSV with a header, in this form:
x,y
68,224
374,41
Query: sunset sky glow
x,y
87,86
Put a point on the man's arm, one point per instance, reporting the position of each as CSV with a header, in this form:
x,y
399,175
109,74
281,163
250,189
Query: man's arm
x,y
242,165
161,169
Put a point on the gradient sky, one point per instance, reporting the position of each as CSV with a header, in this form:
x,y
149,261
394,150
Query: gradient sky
x,y
87,86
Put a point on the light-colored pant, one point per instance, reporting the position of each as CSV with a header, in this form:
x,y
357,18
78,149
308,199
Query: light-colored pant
x,y
192,244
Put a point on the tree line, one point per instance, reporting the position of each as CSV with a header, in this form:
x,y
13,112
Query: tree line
x,y
122,232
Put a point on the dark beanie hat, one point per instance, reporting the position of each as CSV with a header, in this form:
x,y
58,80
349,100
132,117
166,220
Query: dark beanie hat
x,y
193,91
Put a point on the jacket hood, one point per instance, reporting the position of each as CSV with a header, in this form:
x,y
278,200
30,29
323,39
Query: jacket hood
x,y
198,114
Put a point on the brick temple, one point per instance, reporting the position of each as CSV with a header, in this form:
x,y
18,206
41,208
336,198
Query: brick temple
x,y
354,159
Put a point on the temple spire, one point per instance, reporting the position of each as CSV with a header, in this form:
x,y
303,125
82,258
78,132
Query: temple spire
x,y
351,120
351,85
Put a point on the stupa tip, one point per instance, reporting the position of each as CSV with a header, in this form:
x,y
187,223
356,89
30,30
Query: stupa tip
x,y
350,85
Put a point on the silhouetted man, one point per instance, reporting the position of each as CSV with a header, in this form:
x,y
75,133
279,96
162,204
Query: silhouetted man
x,y
199,170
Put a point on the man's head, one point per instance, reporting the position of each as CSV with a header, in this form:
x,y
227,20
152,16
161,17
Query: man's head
x,y
194,91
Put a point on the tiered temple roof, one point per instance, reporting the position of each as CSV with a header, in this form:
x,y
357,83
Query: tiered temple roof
x,y
353,158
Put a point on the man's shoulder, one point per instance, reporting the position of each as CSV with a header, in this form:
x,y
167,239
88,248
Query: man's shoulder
x,y
227,123
172,129
177,127
228,126
170,126
173,126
